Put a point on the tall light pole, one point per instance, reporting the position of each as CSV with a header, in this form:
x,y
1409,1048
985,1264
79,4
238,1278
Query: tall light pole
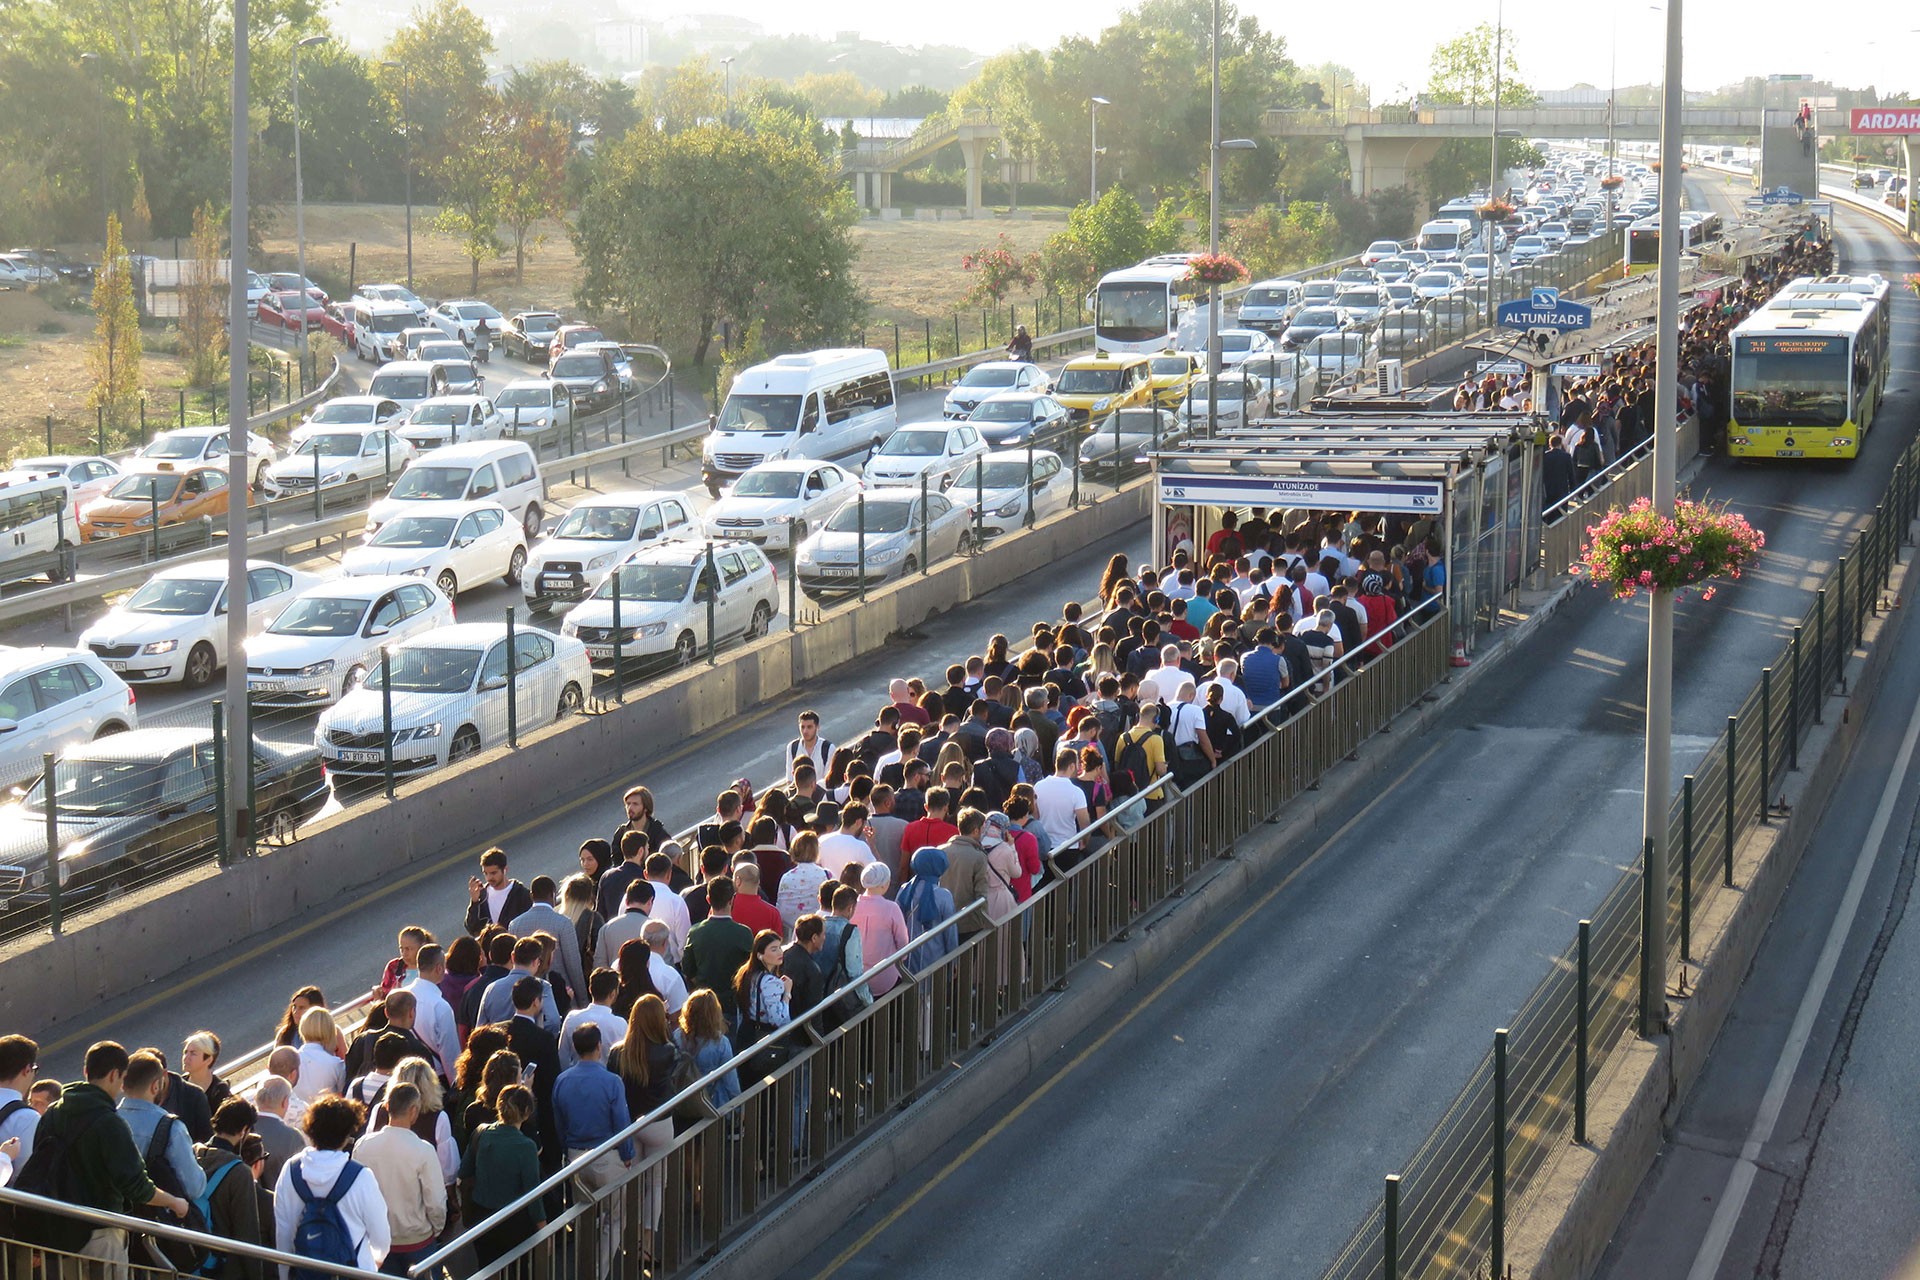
x,y
1493,143
237,818
300,194
1093,147
406,132
727,63
1215,146
1660,614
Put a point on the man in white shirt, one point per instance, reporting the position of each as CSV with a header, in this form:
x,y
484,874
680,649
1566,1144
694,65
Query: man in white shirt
x,y
603,985
19,1059
1232,700
666,978
1059,801
810,745
433,1017
626,926
849,843
668,906
331,1123
407,1170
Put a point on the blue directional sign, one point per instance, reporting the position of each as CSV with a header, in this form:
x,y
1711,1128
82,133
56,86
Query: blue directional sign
x,y
1782,195
1544,310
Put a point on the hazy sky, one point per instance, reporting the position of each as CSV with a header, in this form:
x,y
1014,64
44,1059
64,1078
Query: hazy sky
x,y
1387,42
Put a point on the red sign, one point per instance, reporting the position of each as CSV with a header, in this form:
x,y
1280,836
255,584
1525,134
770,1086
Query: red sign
x,y
1886,119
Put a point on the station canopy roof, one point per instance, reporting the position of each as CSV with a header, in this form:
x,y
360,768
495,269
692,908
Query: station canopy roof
x,y
1413,445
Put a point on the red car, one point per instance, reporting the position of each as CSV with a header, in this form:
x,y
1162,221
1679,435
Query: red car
x,y
569,336
283,310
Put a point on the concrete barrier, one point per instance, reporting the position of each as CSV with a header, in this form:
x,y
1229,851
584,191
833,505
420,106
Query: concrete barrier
x,y
167,927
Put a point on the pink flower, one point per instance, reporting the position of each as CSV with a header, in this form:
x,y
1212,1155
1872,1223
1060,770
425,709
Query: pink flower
x,y
1707,594
1673,559
1646,577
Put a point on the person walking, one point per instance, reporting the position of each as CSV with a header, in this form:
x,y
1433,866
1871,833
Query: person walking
x,y
590,1107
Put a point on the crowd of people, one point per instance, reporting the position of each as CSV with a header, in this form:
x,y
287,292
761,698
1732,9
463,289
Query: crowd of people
x,y
561,1011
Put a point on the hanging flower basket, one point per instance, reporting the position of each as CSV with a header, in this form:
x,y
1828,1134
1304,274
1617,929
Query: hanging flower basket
x,y
1638,549
1215,269
1495,211
1655,166
1913,283
1613,183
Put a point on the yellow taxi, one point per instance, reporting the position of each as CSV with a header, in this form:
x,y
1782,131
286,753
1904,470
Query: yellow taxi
x,y
1094,386
176,496
1171,375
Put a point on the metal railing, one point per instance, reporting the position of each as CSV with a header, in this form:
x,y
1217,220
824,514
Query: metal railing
x,y
1446,1210
719,1173
1624,481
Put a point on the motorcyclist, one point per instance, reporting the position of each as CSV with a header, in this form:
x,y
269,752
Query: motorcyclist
x,y
482,342
1021,347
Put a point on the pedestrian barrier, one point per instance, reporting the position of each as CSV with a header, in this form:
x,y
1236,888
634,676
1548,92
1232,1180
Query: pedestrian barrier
x,y
1446,1210
1625,481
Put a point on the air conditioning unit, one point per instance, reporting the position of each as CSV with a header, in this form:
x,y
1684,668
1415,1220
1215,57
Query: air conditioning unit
x,y
1388,379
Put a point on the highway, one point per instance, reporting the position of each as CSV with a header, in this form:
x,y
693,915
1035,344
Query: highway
x,y
1236,1117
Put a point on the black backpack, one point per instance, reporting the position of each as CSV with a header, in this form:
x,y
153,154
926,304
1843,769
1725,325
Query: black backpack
x,y
1130,766
833,1015
183,1256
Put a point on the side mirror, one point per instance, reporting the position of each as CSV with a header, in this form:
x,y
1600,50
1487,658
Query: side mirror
x,y
463,542
377,631
490,683
8,726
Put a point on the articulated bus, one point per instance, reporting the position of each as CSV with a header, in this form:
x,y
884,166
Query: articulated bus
x,y
1138,311
1810,369
1643,238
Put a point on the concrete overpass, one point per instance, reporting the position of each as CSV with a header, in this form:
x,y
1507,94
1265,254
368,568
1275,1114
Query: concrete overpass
x,y
1388,147
872,168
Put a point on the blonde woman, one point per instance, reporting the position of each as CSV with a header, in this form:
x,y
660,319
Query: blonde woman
x,y
198,1055
431,1125
1101,662
321,1069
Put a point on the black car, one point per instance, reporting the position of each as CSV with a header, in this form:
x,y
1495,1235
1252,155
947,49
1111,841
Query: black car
x,y
140,805
528,334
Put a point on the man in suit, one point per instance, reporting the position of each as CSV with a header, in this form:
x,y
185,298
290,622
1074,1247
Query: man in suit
x,y
540,1049
632,847
492,897
399,1009
281,1140
625,927
542,917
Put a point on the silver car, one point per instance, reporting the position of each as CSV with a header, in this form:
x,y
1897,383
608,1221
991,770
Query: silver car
x,y
894,529
1124,438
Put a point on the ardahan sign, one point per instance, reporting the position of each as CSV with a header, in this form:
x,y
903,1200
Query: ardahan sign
x,y
1886,119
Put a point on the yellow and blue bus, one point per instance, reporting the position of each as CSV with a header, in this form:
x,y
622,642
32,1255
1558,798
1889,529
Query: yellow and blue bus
x,y
1810,369
1643,238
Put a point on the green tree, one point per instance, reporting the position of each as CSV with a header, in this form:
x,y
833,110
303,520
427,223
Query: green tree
x,y
838,93
1273,241
203,333
999,269
1006,87
1461,73
1101,237
531,182
113,360
468,181
442,74
680,231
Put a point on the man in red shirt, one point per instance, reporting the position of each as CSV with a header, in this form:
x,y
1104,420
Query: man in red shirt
x,y
1379,610
749,908
934,829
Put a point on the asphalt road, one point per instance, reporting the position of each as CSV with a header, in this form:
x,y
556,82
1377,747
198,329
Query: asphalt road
x,y
1239,1114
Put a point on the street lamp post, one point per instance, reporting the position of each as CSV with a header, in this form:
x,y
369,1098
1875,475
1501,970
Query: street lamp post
x,y
1093,147
1213,225
299,197
406,132
728,64
237,816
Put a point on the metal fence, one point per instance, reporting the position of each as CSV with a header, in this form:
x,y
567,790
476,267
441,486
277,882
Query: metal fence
x,y
1625,481
1446,1211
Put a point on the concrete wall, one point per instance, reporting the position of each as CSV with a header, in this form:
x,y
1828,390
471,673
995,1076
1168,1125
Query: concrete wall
x,y
169,927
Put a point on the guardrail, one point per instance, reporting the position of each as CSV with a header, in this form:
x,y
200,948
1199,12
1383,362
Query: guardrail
x,y
1625,481
1446,1211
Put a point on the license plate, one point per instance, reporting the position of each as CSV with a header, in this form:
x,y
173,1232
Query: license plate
x,y
827,572
116,665
599,651
1790,453
268,686
360,757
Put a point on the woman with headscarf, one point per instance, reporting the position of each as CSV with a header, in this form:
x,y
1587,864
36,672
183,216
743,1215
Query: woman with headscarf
x,y
924,904
883,930
1026,754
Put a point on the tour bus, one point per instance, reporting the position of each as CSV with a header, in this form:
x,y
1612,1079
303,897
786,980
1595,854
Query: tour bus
x,y
812,404
1809,376
1138,311
36,516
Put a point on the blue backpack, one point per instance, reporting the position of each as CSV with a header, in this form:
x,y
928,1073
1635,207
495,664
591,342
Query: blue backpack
x,y
321,1233
211,1263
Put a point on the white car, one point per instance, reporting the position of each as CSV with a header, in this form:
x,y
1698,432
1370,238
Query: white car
x,y
448,692
329,636
896,529
1526,249
88,477
1005,488
1379,249
453,419
599,532
174,628
197,446
990,378
409,383
1477,266
339,456
257,288
1333,355
459,319
459,377
18,269
1434,283
1554,233
395,293
1364,305
457,548
776,504
663,594
350,411
932,449
1237,344
51,699
622,363
1241,399
534,404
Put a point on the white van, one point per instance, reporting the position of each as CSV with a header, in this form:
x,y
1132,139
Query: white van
x,y
36,516
814,404
502,471
377,327
1269,305
1442,240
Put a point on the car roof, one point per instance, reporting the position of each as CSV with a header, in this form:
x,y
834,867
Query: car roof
x,y
792,464
357,588
1104,362
464,399
405,366
195,433
528,315
60,460
677,551
944,425
217,568
1002,397
141,744
473,450
898,492
1001,364
634,497
373,401
466,635
455,510
18,658
1016,455
539,380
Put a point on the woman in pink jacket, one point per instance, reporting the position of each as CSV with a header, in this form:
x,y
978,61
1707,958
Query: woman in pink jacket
x,y
883,930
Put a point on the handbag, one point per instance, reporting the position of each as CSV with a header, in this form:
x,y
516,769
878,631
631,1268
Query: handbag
x,y
767,1058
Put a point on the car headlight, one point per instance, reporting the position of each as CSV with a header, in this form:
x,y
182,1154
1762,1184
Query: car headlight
x,y
778,455
883,557
648,630
602,386
161,646
416,733
145,519
317,668
601,562
539,422
1010,509
570,629
373,527
421,572
333,477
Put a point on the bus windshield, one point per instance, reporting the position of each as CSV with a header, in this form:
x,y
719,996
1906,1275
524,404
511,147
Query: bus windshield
x,y
1790,382
1134,312
1643,246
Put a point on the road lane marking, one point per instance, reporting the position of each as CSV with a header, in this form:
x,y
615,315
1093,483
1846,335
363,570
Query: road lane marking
x,y
1726,1215
1000,1126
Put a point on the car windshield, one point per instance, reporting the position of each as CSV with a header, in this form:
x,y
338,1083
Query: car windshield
x,y
1263,298
334,444
1316,318
145,488
341,415
414,532
1359,298
773,414
599,524
1235,341
439,415
1269,367
1327,344
1089,381
524,398
882,517
915,444
660,583
539,325
99,788
176,447
1224,390
989,376
768,484
476,311
320,616
183,596
400,386
391,322
1004,411
1321,290
1006,473
434,484
428,671
1170,366
442,351
1434,280
584,365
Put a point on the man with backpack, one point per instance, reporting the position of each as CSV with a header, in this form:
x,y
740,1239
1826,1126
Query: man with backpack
x,y
1140,758
166,1147
19,1059
231,1200
84,1155
326,1206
